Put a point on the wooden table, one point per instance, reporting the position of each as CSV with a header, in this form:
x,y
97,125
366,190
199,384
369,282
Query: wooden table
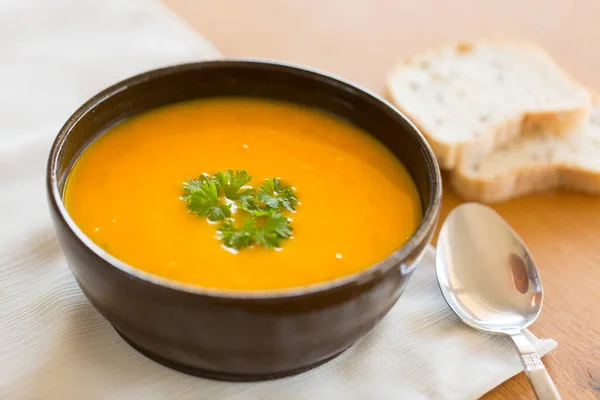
x,y
362,39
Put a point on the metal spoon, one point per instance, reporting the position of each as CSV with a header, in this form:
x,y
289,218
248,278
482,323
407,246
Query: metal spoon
x,y
489,280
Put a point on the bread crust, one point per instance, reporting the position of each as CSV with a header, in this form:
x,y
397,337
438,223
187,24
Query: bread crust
x,y
529,180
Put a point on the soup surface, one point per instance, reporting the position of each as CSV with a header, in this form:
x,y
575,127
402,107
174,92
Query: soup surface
x,y
357,202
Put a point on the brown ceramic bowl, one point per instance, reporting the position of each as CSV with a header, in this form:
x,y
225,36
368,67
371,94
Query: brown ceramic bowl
x,y
234,335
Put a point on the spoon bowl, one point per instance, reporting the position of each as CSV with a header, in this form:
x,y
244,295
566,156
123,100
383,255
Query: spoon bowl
x,y
489,279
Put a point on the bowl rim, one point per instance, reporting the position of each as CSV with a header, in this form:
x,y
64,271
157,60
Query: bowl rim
x,y
427,223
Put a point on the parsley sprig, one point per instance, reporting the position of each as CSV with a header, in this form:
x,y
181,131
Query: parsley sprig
x,y
275,196
266,228
202,197
262,220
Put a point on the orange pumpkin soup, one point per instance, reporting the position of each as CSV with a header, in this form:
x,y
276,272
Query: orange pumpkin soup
x,y
356,202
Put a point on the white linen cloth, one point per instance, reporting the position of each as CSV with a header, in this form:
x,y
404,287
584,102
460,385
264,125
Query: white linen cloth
x,y
54,55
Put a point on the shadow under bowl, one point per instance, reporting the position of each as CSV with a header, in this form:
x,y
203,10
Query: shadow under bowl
x,y
240,335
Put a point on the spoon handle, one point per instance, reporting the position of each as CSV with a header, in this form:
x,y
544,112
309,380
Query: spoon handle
x,y
538,376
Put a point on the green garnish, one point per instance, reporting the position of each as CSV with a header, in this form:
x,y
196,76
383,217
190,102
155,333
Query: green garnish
x,y
202,197
276,197
263,220
275,228
232,183
238,238
266,228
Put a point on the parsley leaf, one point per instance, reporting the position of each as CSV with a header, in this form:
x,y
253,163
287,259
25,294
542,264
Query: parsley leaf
x,y
193,185
275,228
235,238
219,213
202,197
265,228
232,183
274,196
248,204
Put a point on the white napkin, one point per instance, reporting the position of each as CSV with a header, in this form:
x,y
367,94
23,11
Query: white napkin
x,y
54,54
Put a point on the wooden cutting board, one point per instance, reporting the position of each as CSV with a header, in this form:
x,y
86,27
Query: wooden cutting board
x,y
362,39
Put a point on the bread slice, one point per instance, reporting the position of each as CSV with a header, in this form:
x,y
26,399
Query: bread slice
x,y
471,97
531,164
